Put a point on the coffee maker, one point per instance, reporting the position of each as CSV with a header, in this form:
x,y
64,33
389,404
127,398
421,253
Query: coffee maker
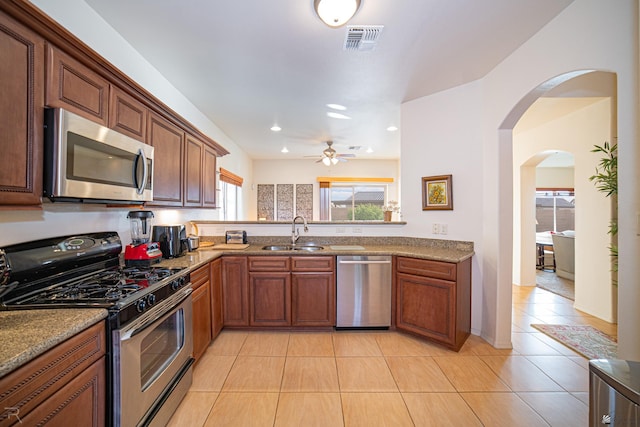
x,y
141,252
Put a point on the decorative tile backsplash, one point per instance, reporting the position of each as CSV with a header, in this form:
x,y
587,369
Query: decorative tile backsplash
x,y
266,202
304,200
276,202
284,198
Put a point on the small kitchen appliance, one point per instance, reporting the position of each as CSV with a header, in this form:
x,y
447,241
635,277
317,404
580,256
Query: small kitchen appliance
x,y
141,252
172,239
149,323
236,236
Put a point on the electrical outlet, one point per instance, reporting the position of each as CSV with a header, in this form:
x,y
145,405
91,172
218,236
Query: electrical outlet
x,y
444,228
357,230
435,229
340,230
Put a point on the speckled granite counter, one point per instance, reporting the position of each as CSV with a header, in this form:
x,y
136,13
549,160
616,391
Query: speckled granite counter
x,y
437,250
26,334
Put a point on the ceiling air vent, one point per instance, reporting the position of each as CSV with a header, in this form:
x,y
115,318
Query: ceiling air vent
x,y
362,37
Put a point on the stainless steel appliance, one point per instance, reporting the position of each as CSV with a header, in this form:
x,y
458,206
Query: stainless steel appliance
x,y
363,298
172,239
614,393
236,236
85,161
149,326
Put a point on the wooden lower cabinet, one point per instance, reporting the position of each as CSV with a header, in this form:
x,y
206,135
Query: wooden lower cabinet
x,y
313,299
201,296
64,386
217,315
433,307
269,299
235,289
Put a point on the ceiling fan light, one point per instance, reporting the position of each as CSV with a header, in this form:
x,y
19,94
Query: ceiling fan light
x,y
334,160
326,161
335,13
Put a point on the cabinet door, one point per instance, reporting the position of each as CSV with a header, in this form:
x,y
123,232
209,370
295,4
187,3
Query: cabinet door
x,y
313,299
127,115
209,182
82,400
217,318
269,299
193,171
427,307
201,319
21,102
235,291
168,141
75,87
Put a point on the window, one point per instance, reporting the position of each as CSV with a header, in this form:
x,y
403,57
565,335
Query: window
x,y
555,210
357,202
230,198
230,195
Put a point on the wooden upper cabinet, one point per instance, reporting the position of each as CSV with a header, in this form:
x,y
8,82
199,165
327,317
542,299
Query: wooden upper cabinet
x,y
21,113
209,182
75,87
168,141
193,171
127,115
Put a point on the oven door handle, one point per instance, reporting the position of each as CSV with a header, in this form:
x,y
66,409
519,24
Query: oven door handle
x,y
142,322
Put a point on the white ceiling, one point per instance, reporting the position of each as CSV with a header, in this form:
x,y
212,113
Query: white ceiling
x,y
250,64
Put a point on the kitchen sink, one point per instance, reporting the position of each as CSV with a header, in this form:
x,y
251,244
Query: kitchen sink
x,y
309,248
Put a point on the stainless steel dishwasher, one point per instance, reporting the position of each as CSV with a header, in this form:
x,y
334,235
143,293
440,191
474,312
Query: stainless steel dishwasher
x,y
363,297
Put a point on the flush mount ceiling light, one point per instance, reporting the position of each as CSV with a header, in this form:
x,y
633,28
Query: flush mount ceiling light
x,y
392,128
337,107
337,115
335,13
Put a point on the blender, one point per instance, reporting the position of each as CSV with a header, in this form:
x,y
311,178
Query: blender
x,y
141,252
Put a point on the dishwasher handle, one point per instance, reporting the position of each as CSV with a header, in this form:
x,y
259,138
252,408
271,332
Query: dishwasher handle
x,y
363,262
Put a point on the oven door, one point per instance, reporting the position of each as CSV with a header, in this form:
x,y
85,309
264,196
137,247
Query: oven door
x,y
152,359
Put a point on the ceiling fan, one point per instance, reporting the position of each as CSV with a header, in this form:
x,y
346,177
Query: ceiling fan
x,y
330,156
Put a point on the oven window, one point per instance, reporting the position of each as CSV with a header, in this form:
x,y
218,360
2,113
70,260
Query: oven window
x,y
160,347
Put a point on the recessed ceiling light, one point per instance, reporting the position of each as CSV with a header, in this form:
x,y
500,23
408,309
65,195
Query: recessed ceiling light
x,y
284,150
337,115
369,150
276,128
392,128
337,107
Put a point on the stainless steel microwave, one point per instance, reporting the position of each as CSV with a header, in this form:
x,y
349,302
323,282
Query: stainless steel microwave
x,y
87,162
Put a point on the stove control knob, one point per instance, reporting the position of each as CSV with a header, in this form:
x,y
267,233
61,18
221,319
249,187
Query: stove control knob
x,y
141,306
175,285
151,299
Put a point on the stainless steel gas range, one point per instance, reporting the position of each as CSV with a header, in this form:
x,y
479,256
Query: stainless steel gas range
x,y
149,326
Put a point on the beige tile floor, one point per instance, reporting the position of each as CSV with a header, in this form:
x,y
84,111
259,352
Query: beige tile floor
x,y
391,379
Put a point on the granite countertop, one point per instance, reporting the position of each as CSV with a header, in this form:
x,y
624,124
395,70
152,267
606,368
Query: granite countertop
x,y
446,253
26,334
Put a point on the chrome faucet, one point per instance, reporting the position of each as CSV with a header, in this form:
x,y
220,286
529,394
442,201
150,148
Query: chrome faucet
x,y
294,231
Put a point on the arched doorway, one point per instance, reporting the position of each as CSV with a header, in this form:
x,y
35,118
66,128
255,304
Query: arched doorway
x,y
581,83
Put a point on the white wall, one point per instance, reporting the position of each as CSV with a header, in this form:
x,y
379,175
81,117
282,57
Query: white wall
x,y
574,133
308,171
554,177
441,135
468,130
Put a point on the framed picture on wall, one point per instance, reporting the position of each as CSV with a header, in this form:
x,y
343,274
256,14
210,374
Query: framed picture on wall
x,y
437,193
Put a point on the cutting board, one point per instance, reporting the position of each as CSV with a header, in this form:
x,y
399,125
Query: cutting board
x,y
237,246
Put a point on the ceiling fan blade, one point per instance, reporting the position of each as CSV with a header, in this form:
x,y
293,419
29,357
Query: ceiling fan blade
x,y
345,155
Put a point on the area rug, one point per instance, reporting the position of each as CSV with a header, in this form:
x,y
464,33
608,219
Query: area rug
x,y
586,340
551,282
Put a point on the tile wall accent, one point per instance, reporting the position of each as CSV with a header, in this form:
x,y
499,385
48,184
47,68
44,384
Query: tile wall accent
x,y
266,202
304,200
284,198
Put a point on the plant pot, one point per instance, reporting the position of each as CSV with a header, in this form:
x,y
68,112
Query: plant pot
x,y
387,216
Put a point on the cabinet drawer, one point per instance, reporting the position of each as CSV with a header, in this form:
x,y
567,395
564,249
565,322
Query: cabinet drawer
x,y
312,263
269,263
200,276
423,267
